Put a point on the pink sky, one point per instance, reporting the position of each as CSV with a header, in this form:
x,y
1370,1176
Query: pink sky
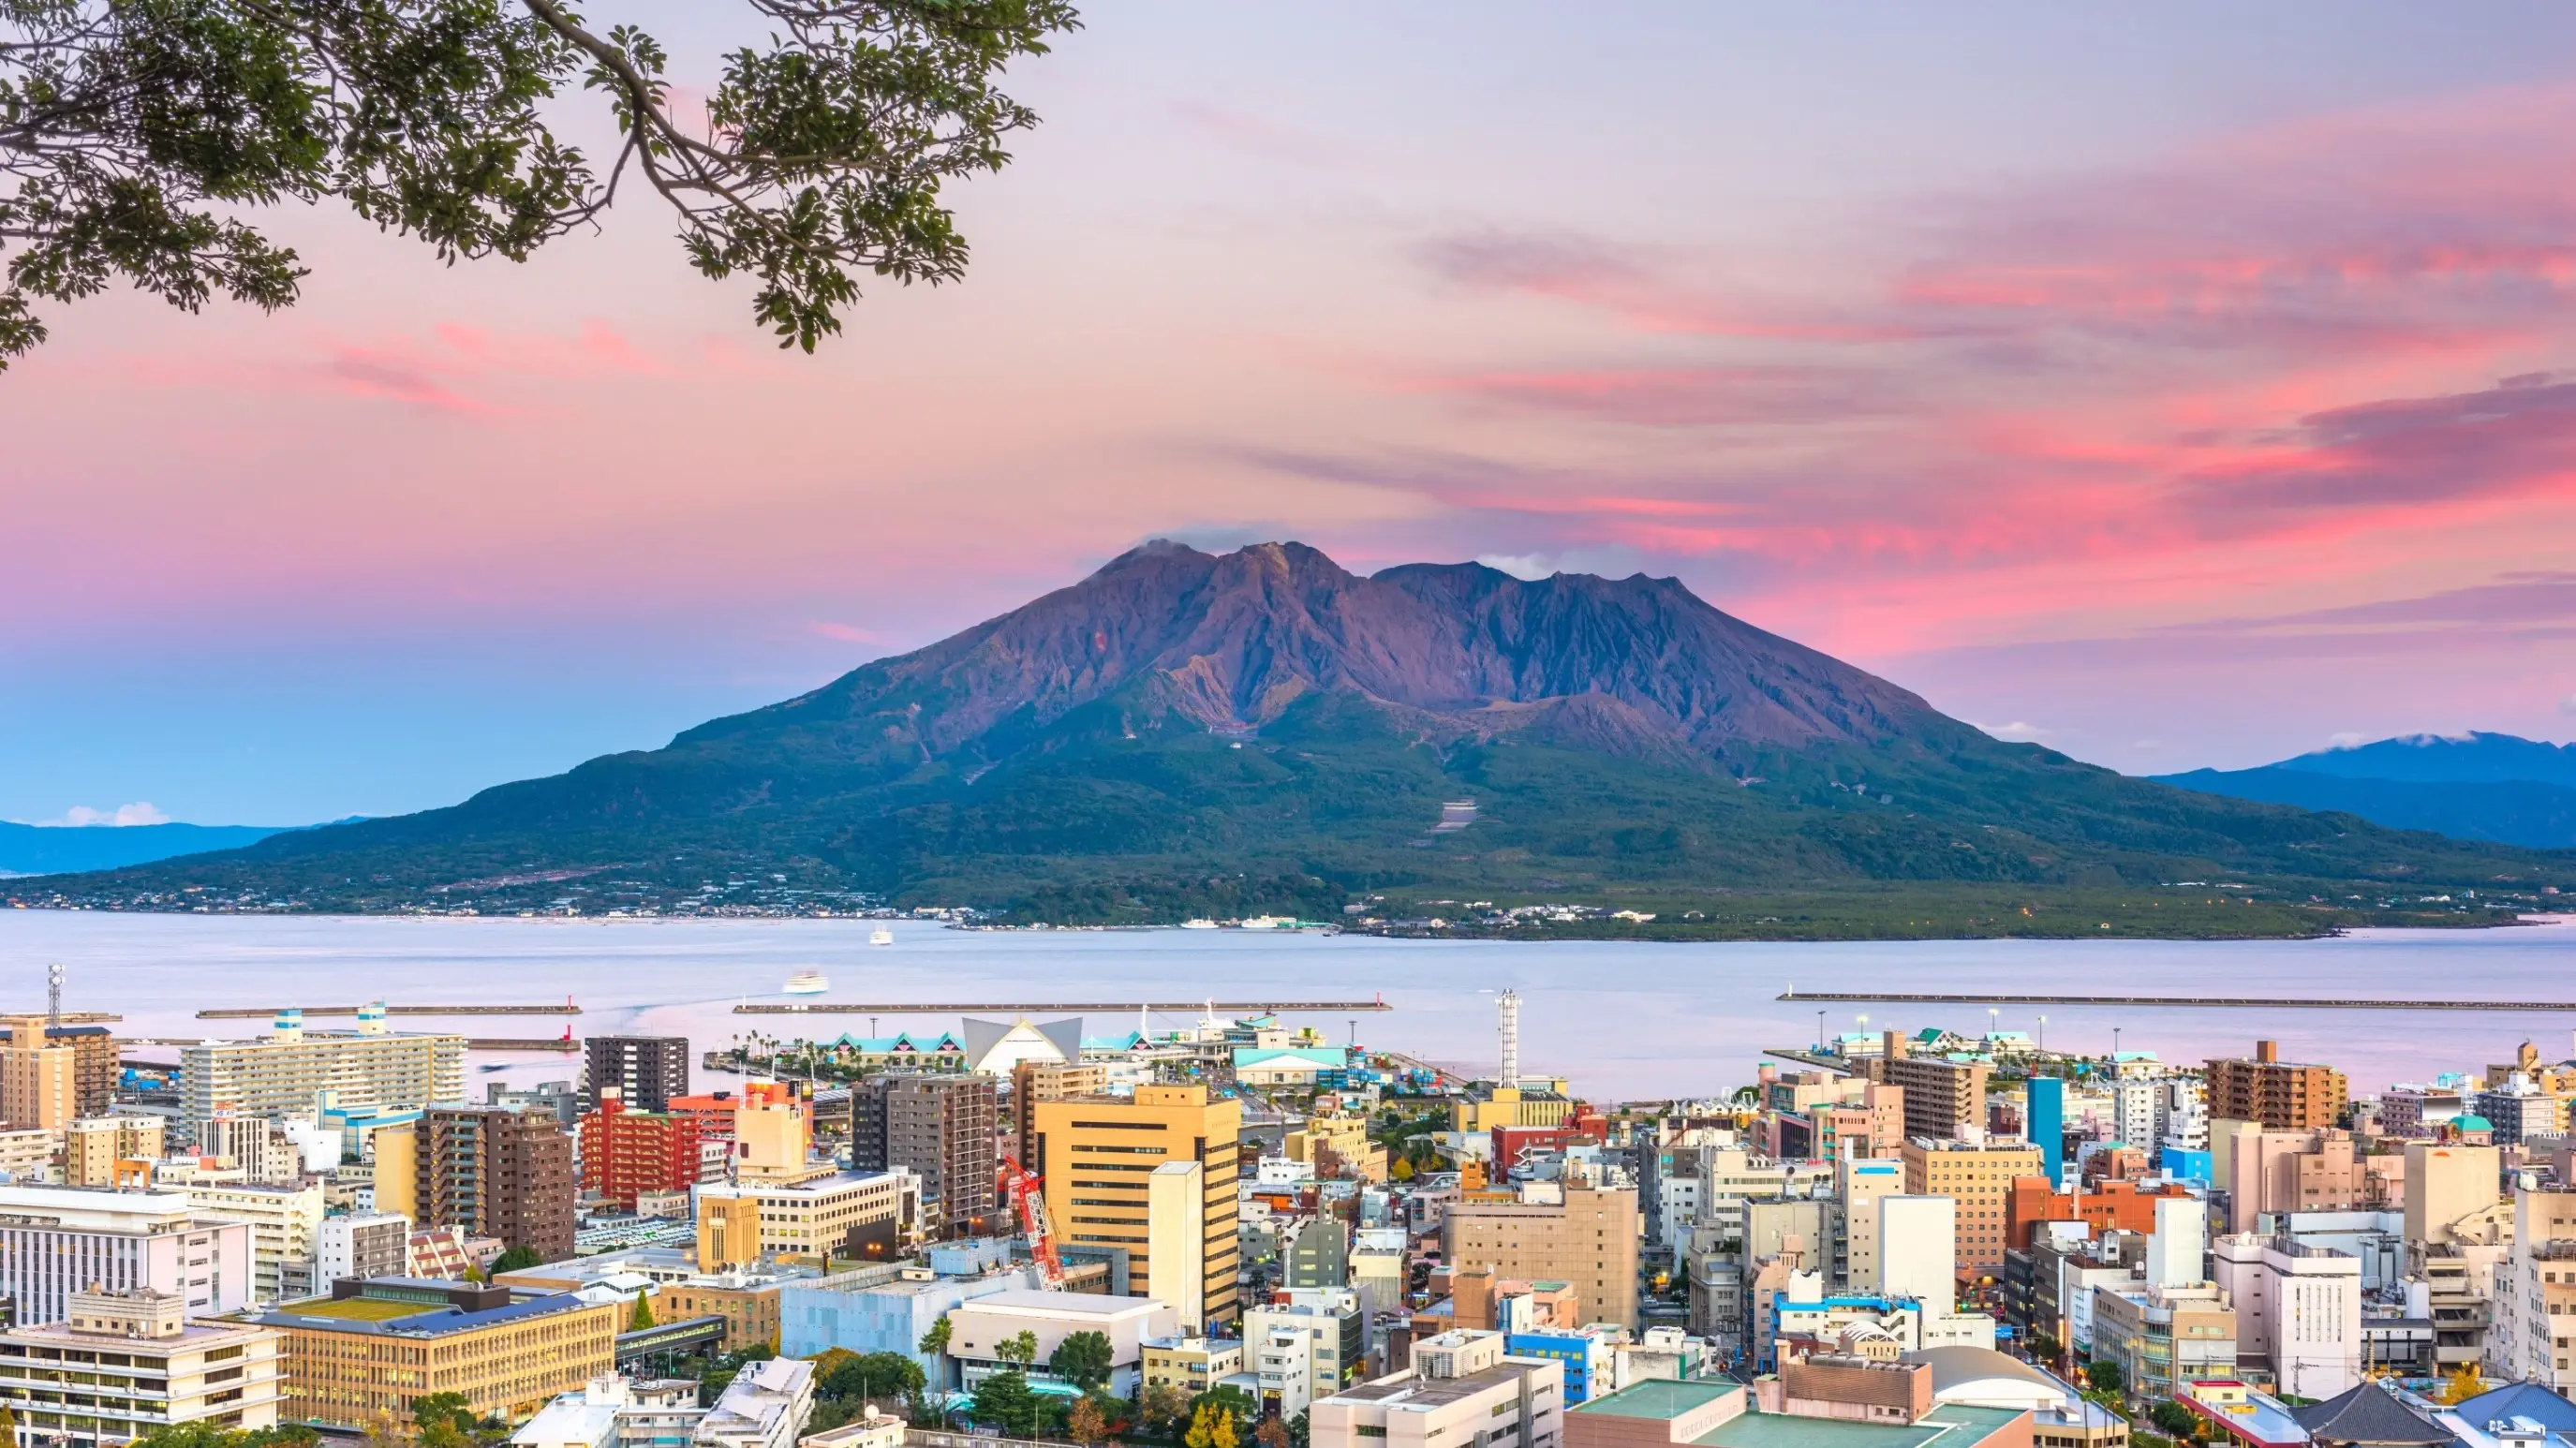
x,y
2181,394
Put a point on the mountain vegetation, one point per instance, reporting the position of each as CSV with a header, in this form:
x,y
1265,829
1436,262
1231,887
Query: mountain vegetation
x,y
1185,733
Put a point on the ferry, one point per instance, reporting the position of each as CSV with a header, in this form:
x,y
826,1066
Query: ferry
x,y
1266,922
880,936
806,982
1199,924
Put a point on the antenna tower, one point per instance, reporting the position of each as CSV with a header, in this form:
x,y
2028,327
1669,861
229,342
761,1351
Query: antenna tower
x,y
1511,1008
54,996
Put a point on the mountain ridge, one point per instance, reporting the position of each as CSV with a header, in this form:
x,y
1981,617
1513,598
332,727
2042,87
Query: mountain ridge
x,y
1180,719
2480,785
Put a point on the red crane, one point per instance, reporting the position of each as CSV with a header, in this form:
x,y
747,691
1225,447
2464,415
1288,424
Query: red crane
x,y
1023,1186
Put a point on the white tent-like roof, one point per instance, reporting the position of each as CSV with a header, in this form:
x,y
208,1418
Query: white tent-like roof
x,y
995,1047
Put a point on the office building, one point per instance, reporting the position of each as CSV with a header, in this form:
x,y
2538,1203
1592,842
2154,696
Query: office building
x,y
1859,1185
291,1070
1979,1178
141,1365
2111,1206
2535,1290
939,1126
494,1172
55,1241
2298,1311
39,1079
1917,1233
359,1358
1461,1388
2270,1092
368,1244
765,1406
396,1171
773,1136
283,1221
626,1153
1190,1365
1036,1081
29,1155
2447,1186
648,1072
1320,1254
880,1309
1587,1238
103,1151
1096,1154
258,1147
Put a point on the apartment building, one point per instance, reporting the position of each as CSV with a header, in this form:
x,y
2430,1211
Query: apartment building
x,y
39,1078
283,1223
370,1069
647,1072
1979,1178
937,1125
366,1244
1036,1081
2271,1092
2534,1336
1587,1237
1943,1098
628,1152
142,1365
2298,1310
96,1059
493,1172
1098,1153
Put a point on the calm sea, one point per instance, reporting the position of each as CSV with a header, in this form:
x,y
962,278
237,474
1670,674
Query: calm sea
x,y
1623,1020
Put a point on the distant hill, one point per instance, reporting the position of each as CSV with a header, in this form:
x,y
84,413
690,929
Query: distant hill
x,y
2443,759
2476,787
52,850
1192,733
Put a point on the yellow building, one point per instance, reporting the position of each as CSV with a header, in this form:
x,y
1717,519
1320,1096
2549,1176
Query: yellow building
x,y
357,1359
814,1219
1097,1153
397,1163
1191,1364
1979,1179
39,1084
1511,1106
773,1135
1347,1136
94,1147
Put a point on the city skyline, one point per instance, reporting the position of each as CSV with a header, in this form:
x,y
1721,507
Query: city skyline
x,y
2170,402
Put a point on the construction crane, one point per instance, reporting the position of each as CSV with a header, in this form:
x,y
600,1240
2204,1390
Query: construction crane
x,y
1023,1184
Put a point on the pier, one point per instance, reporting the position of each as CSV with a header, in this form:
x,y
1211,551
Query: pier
x,y
1096,1008
2259,1003
252,1013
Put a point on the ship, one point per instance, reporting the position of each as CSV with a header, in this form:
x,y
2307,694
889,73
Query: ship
x,y
1200,924
880,936
806,982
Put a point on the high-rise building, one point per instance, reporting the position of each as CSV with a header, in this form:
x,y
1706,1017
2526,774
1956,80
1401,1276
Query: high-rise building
x,y
1588,1239
2271,1092
55,1241
1096,1153
2446,1185
39,1080
153,1369
397,1171
287,1072
360,1245
773,1136
1914,1232
495,1173
939,1126
258,1146
626,1152
2298,1310
649,1071
1979,1178
1860,1183
2535,1289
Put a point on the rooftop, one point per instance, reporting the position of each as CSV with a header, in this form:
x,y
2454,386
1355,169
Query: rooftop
x,y
409,1319
1079,1304
1660,1398
1953,1427
1415,1394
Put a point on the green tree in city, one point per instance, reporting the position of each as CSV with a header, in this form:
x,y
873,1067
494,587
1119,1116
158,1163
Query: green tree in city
x,y
2104,1377
196,1435
935,1341
517,1259
1005,1401
867,1377
642,1317
2173,1418
140,139
1082,1359
1019,1349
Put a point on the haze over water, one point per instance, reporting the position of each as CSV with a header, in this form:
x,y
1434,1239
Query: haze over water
x,y
1624,1020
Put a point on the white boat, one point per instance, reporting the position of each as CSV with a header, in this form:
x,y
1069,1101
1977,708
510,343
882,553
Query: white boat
x,y
1198,925
1266,922
806,982
880,936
